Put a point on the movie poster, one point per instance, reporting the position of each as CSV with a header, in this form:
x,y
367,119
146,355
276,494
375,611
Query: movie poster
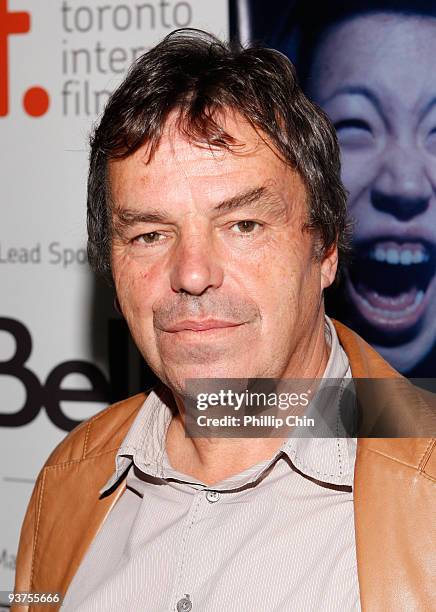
x,y
370,66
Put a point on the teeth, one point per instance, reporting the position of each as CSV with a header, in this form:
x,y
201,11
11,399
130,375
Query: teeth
x,y
406,258
419,257
396,256
379,254
393,256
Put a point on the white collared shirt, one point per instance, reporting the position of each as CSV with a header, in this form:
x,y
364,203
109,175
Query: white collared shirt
x,y
278,536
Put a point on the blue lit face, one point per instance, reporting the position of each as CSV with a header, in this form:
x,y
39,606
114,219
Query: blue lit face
x,y
375,77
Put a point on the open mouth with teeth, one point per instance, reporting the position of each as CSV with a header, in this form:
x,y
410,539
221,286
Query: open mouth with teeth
x,y
390,282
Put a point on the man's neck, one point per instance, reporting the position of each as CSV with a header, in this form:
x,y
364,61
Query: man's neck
x,y
214,459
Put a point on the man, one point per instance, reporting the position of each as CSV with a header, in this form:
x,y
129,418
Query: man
x,y
216,207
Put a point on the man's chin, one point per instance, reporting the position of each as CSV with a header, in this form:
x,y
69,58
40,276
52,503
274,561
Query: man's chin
x,y
182,381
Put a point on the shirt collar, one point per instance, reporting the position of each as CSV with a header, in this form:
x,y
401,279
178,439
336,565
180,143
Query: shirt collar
x,y
144,443
326,459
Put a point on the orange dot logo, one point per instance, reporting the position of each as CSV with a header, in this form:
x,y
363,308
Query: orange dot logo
x,y
36,101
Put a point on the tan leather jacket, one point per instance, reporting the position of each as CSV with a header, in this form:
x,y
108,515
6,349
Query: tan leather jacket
x,y
395,500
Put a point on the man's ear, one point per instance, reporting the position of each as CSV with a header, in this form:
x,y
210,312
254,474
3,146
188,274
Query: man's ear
x,y
329,266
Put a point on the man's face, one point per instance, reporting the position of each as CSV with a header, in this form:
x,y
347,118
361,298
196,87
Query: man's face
x,y
213,271
375,76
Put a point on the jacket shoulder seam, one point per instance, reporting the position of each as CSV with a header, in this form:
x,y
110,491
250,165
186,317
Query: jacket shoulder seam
x,y
38,517
417,468
85,443
427,454
101,414
77,434
428,477
64,464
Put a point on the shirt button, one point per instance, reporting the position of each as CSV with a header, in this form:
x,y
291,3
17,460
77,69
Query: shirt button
x,y
212,496
184,604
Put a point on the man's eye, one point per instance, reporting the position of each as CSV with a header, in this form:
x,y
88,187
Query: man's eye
x,y
245,227
149,238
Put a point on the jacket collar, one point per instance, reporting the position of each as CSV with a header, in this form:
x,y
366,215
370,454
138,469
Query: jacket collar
x,y
392,499
393,503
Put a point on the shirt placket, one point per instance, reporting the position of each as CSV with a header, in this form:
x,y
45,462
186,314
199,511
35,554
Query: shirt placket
x,y
183,597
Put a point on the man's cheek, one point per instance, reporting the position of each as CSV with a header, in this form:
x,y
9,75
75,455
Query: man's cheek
x,y
133,281
133,299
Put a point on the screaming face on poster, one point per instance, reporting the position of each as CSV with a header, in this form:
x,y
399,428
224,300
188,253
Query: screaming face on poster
x,y
370,65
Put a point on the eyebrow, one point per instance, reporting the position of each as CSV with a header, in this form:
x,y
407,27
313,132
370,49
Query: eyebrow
x,y
260,197
357,90
126,217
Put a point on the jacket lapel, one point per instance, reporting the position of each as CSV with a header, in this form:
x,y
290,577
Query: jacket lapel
x,y
393,501
66,534
389,536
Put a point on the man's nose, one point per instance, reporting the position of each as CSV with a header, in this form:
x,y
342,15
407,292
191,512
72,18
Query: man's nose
x,y
402,187
195,266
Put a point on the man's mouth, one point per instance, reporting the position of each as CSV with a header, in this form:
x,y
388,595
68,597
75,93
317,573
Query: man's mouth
x,y
201,326
390,281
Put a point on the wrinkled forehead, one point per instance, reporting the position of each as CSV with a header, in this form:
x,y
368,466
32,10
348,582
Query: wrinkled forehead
x,y
182,169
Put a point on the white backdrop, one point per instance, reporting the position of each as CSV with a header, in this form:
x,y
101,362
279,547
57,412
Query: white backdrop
x,y
63,58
